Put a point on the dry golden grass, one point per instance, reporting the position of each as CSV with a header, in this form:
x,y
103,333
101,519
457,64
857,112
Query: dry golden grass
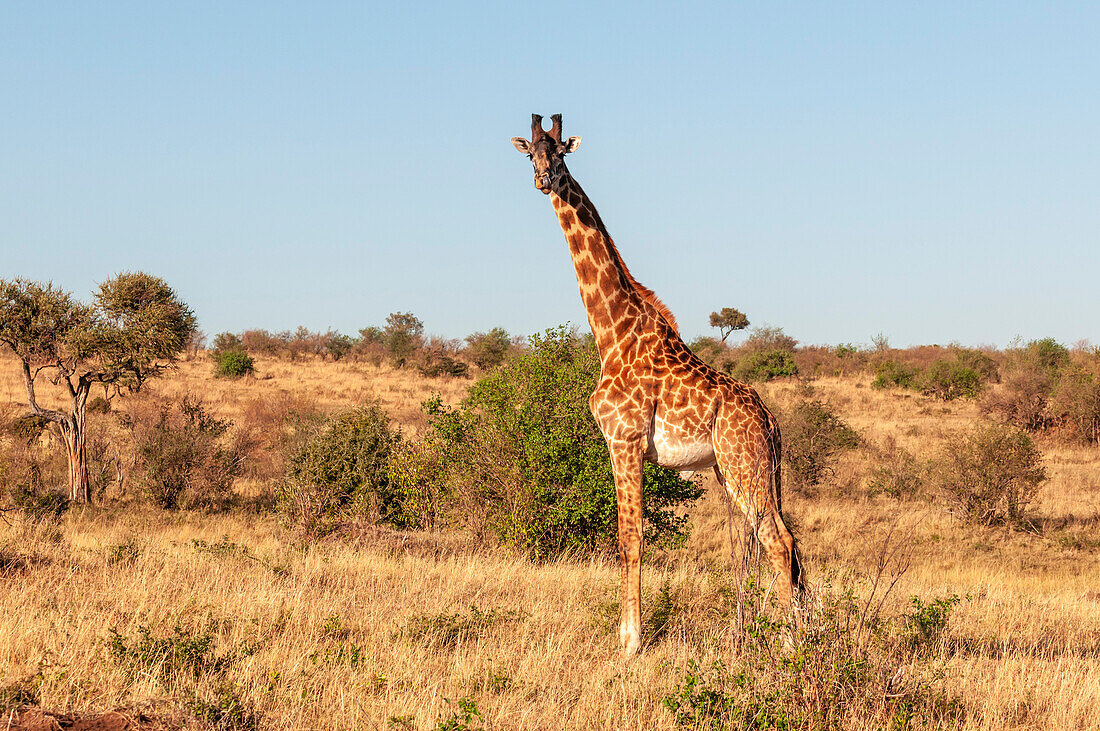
x,y
1027,640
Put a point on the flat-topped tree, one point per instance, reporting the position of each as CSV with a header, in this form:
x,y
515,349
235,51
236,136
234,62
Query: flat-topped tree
x,y
135,328
728,321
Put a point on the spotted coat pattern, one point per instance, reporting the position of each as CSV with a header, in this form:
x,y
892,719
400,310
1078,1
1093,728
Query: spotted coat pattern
x,y
656,400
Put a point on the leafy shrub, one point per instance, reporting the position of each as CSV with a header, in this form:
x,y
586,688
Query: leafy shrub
x,y
813,436
233,364
341,471
1075,402
846,350
925,625
180,653
765,365
1048,354
461,718
990,475
184,456
336,345
488,350
181,660
892,374
123,553
950,379
402,336
979,362
1030,374
524,459
708,349
227,710
227,341
840,670
414,475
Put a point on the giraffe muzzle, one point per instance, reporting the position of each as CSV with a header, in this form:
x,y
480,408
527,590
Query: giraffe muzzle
x,y
542,182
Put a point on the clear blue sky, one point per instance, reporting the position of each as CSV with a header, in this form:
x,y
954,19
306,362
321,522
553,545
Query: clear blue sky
x,y
929,170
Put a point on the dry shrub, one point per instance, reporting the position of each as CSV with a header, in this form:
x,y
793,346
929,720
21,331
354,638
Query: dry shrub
x,y
277,424
898,475
827,360
1021,400
767,337
813,436
184,456
990,475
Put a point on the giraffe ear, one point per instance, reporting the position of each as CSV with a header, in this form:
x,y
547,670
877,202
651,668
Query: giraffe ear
x,y
522,145
572,144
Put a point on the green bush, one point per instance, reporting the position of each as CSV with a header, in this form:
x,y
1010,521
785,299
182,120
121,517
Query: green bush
x,y
1029,377
525,460
1048,354
839,670
227,341
233,364
765,365
950,379
813,436
979,362
990,475
1075,402
892,374
341,471
488,350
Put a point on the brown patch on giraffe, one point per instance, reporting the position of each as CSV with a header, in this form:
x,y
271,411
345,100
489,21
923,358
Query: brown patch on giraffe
x,y
576,243
586,270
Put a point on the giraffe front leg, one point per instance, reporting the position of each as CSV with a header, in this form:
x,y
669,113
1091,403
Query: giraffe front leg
x,y
626,461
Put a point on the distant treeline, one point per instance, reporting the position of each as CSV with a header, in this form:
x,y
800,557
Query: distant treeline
x,y
401,342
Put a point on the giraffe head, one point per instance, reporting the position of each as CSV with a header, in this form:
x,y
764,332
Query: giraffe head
x,y
547,151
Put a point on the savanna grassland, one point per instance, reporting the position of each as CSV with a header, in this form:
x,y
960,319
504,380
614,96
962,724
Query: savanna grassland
x,y
200,619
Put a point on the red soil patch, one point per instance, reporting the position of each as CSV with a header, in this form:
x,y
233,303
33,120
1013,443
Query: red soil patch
x,y
35,719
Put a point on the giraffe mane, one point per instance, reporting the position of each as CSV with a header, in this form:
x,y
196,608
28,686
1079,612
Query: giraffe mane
x,y
643,291
647,294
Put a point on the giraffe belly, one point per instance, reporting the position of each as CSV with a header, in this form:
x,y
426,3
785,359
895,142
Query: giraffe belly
x,y
679,451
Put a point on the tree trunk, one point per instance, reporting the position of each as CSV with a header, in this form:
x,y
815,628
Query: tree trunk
x,y
74,434
72,426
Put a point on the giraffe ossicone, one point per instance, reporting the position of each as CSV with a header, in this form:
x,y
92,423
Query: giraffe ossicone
x,y
656,400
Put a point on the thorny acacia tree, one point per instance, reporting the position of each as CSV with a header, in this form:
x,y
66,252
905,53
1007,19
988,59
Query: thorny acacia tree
x,y
134,329
728,320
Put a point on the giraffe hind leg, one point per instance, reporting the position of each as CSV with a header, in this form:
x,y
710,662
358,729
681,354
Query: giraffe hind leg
x,y
750,479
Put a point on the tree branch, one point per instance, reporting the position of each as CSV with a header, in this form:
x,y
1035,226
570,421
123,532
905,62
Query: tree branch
x,y
50,414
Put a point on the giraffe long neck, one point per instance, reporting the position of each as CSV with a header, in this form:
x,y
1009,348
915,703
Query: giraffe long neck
x,y
616,304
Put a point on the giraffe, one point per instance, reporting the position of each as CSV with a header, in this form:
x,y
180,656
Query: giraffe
x,y
655,400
